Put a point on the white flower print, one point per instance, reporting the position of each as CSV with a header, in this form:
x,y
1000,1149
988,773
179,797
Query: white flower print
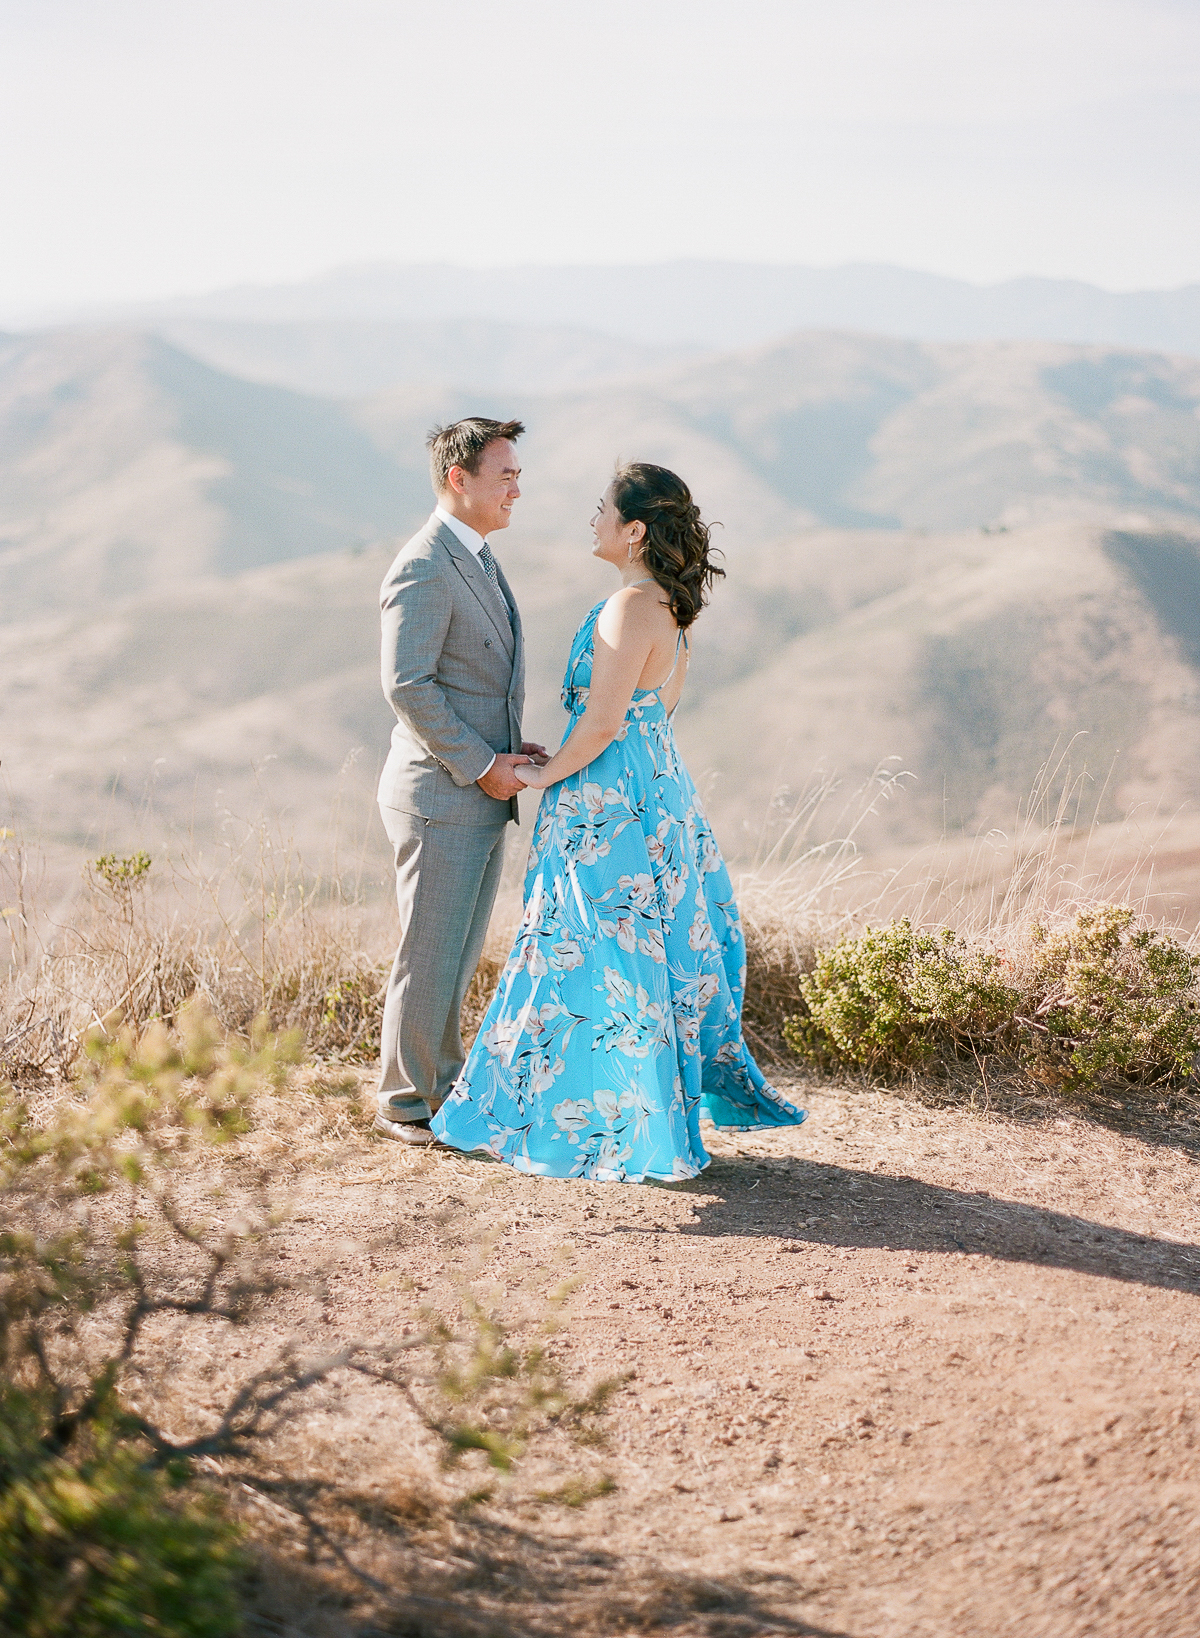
x,y
543,1073
708,989
568,954
640,890
619,989
652,945
674,886
571,1116
610,1158
656,844
609,1104
503,1037
700,936
687,1031
585,848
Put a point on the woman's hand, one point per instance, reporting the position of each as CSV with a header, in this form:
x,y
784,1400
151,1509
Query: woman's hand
x,y
531,776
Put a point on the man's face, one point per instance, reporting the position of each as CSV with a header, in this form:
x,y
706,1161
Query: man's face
x,y
489,493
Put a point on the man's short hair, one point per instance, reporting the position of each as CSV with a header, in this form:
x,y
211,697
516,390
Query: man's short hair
x,y
462,443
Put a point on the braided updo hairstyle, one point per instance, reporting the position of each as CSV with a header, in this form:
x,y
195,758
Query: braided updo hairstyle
x,y
676,549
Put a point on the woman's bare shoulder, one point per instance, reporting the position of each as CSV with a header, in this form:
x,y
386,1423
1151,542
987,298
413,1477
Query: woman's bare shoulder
x,y
638,608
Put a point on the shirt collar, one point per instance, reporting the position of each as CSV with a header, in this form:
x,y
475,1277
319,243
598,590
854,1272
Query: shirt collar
x,y
471,538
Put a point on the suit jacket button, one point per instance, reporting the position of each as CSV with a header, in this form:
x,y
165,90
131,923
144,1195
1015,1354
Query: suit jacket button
x,y
487,642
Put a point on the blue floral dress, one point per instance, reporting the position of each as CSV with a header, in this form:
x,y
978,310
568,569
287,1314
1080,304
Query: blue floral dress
x,y
616,1025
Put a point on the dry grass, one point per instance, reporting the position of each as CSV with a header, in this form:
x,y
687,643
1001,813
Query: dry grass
x,y
254,932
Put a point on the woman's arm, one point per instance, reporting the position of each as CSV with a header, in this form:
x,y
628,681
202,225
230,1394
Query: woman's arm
x,y
629,625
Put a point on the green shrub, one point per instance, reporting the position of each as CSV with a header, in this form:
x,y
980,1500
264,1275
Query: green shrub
x,y
1093,1002
892,997
1110,1002
96,1543
103,1531
98,1534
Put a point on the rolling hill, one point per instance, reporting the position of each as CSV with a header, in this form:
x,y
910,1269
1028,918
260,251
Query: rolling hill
x,y
957,555
126,465
968,657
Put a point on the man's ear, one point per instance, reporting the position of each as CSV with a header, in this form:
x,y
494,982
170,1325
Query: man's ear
x,y
454,479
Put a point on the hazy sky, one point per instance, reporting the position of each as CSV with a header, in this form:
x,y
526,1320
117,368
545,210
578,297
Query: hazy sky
x,y
158,146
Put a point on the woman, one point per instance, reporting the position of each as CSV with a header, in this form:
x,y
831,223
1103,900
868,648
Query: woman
x,y
617,1022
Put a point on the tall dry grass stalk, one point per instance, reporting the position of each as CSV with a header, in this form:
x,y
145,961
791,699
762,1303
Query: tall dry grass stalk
x,y
254,931
808,886
997,889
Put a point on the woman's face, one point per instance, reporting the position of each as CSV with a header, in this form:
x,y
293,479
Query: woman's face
x,y
612,536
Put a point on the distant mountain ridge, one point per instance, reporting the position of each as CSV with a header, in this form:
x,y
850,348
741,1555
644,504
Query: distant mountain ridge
x,y
860,431
711,303
349,358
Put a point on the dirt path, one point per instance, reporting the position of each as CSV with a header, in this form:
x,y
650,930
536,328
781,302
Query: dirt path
x,y
899,1372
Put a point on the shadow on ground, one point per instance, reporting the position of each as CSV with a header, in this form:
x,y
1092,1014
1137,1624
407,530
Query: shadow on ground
x,y
505,1580
825,1205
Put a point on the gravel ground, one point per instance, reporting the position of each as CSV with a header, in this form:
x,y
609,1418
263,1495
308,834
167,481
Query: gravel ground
x,y
902,1371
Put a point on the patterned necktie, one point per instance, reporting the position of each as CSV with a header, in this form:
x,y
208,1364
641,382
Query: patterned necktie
x,y
489,565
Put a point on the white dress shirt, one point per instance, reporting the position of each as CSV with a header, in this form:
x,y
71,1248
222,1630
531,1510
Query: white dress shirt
x,y
471,538
474,542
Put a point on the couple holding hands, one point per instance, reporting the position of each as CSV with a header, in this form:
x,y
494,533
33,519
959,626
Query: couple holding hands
x,y
616,1025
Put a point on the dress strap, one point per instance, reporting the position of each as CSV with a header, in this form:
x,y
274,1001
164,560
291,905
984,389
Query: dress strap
x,y
680,642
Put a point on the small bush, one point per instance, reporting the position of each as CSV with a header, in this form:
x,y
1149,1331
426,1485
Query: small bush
x,y
1095,1001
98,1535
892,997
98,1543
1111,1002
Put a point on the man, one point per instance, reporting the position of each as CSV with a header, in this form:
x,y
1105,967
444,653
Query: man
x,y
453,667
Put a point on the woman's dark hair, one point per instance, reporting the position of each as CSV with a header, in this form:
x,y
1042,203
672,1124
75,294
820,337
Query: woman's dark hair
x,y
676,549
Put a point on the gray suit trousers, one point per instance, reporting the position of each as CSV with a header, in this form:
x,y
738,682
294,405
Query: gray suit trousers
x,y
446,881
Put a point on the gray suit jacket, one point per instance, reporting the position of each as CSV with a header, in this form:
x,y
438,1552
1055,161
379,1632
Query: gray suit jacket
x,y
453,667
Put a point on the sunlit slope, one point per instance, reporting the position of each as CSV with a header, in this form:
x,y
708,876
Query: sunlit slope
x,y
125,466
860,430
863,431
190,566
969,658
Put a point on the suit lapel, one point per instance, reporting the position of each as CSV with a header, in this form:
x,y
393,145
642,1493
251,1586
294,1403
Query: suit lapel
x,y
490,600
518,635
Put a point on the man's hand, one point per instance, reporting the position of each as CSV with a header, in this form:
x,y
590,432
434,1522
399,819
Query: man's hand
x,y
538,753
499,781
